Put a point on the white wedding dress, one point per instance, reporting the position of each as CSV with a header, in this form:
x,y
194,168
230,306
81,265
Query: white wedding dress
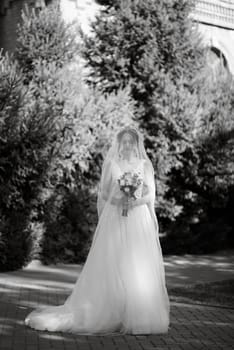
x,y
121,288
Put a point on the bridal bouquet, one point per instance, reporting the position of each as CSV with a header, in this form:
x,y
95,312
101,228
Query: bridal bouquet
x,y
129,183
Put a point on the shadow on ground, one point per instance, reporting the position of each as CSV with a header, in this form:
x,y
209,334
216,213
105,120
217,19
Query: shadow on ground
x,y
191,327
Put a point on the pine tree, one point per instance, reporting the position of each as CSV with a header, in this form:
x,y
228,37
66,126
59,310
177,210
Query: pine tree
x,y
44,36
134,40
154,47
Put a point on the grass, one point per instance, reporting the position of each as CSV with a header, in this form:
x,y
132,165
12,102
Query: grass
x,y
219,293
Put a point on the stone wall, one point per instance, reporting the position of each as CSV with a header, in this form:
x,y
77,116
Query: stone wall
x,y
10,16
215,20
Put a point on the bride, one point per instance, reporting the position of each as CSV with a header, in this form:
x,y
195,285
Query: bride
x,y
121,288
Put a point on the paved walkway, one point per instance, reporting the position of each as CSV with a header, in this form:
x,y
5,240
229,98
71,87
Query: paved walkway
x,y
189,269
191,327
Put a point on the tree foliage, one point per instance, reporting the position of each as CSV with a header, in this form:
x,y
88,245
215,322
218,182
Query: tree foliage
x,y
205,179
27,137
51,136
134,40
185,114
44,35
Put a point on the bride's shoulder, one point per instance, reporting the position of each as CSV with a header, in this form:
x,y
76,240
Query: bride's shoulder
x,y
113,162
139,163
107,166
148,165
144,162
114,165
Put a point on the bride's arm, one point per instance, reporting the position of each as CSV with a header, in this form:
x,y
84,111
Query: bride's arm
x,y
105,191
106,187
144,199
118,200
149,195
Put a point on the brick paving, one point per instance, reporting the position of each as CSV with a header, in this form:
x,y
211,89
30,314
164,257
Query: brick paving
x,y
192,326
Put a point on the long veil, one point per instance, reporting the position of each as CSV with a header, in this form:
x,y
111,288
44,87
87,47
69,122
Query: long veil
x,y
113,155
103,198
108,288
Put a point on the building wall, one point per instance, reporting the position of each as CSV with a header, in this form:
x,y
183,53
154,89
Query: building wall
x,y
220,38
215,20
10,16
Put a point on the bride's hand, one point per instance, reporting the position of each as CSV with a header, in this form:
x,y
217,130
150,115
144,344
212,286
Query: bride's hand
x,y
134,203
118,201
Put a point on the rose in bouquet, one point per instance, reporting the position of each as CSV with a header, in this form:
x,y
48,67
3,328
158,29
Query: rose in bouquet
x,y
129,183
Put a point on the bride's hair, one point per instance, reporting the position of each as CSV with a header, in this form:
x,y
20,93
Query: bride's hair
x,y
128,130
134,134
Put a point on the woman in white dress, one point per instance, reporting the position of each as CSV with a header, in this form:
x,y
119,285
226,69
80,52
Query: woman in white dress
x,y
121,288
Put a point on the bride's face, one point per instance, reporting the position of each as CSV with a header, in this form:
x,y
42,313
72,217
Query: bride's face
x,y
127,143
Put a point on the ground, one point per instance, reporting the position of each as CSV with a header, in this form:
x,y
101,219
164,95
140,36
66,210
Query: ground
x,y
192,326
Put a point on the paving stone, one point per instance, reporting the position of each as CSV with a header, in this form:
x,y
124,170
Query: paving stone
x,y
191,326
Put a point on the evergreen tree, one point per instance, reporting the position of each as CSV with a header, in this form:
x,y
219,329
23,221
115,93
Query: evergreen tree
x,y
46,37
155,47
134,40
53,131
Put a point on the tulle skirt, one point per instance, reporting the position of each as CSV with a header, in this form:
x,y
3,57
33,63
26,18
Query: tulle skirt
x,y
121,288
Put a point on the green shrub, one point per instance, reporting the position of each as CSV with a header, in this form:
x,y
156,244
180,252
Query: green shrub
x,y
203,183
44,35
12,174
71,221
69,224
32,122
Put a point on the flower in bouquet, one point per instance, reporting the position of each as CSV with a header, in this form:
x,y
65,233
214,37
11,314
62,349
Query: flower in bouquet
x,y
129,182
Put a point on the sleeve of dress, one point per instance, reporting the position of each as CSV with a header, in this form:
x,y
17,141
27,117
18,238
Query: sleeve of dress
x,y
104,187
149,182
149,198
